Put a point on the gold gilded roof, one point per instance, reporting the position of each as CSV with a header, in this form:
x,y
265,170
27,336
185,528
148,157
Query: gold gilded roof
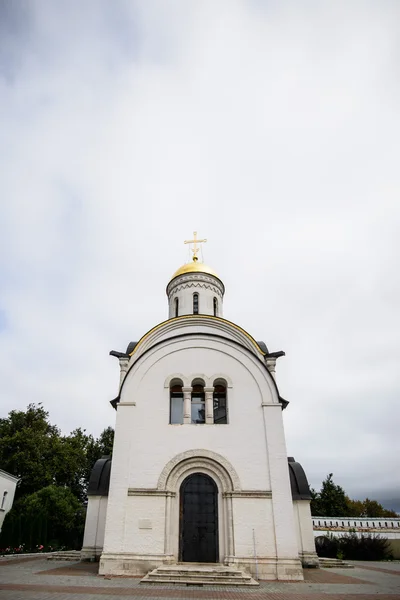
x,y
194,267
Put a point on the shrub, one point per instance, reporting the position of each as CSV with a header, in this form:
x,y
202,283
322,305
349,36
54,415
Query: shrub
x,y
352,547
327,546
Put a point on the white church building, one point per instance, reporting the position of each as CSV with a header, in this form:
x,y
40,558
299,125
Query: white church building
x,y
199,471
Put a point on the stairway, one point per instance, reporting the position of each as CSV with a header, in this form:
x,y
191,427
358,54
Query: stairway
x,y
70,555
334,563
198,574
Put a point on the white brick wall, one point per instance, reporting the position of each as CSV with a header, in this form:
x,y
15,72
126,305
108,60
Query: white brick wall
x,y
93,539
249,514
141,537
145,442
8,484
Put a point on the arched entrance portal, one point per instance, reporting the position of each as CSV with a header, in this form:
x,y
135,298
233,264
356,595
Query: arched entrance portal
x,y
198,519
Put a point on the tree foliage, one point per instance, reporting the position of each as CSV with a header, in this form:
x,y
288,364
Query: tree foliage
x,y
28,445
332,501
372,508
54,471
53,516
34,450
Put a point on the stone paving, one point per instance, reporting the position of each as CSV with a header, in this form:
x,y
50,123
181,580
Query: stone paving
x,y
37,579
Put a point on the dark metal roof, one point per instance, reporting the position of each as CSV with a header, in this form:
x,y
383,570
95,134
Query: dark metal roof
x,y
263,347
129,350
99,481
131,347
298,481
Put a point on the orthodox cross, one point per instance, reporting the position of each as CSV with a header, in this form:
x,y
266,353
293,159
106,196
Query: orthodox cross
x,y
195,248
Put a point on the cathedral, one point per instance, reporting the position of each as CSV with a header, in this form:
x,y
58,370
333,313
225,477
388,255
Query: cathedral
x,y
199,472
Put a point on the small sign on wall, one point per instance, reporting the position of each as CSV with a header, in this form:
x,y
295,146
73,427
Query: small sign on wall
x,y
145,524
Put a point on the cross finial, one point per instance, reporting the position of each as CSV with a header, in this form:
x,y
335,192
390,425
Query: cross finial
x,y
195,248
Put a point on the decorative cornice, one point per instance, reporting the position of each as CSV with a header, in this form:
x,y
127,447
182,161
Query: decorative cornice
x,y
195,276
149,492
248,494
185,286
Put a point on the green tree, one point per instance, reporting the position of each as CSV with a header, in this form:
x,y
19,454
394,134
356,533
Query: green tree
x,y
54,473
103,446
330,501
355,508
316,506
71,466
374,509
106,441
35,451
52,516
28,444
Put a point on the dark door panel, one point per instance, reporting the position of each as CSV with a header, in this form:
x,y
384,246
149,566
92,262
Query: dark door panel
x,y
199,519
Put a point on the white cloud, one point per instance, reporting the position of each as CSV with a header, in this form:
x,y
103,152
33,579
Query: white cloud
x,y
273,129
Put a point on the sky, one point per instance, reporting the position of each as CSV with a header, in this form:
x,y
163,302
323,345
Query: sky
x,y
270,127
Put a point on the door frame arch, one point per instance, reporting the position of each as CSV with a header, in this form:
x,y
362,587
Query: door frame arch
x,y
226,480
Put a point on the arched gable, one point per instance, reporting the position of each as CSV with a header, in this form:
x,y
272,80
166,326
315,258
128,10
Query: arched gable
x,y
255,366
196,323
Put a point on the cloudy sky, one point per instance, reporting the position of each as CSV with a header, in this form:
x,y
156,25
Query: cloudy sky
x,y
272,127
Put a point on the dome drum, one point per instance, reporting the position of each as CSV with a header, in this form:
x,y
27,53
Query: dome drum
x,y
195,289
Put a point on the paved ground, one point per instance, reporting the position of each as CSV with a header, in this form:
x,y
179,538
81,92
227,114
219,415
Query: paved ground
x,y
39,579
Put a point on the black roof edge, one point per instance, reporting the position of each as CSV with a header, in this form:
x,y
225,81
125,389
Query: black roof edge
x,y
115,402
276,354
283,402
118,354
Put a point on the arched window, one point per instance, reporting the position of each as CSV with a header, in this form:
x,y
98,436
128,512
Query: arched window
x,y
3,502
176,402
220,404
215,302
198,408
195,304
176,307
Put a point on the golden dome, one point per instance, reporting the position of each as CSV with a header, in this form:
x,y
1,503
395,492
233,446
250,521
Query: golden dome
x,y
194,267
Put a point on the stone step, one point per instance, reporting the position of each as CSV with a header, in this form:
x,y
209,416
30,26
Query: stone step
x,y
192,573
196,575
189,581
334,563
69,555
